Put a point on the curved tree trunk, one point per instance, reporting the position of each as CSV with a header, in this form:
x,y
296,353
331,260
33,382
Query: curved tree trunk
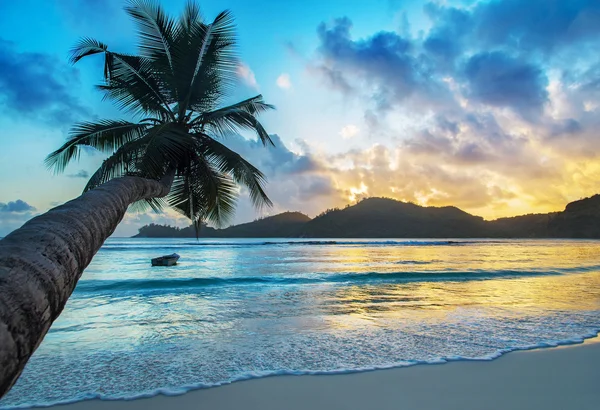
x,y
41,262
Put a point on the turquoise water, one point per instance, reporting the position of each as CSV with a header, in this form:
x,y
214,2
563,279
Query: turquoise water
x,y
235,309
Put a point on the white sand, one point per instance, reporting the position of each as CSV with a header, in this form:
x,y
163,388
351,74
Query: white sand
x,y
558,378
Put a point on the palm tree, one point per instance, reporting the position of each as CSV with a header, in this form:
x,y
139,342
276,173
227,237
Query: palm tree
x,y
172,156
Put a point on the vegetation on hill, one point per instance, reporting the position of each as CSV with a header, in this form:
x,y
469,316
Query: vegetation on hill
x,y
580,219
284,225
388,218
523,226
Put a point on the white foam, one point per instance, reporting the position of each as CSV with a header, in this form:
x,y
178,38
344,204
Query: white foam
x,y
263,374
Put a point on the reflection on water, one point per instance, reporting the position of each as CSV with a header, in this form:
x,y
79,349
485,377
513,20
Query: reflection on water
x,y
247,309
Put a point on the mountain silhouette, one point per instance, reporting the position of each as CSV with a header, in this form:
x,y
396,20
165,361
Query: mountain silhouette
x,y
388,218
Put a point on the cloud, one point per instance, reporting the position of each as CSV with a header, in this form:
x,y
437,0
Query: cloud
x,y
542,26
82,173
383,60
313,181
447,38
284,81
386,69
497,53
18,206
349,131
272,160
36,84
14,214
493,107
497,79
247,75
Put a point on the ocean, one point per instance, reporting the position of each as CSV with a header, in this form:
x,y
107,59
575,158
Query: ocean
x,y
235,309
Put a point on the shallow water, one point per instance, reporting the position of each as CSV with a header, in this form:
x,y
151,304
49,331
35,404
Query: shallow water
x,y
237,308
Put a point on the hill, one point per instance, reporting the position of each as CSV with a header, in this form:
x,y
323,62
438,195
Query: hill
x,y
524,226
388,218
284,225
580,219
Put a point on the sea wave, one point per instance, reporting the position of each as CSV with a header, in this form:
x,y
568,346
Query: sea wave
x,y
177,391
242,244
137,285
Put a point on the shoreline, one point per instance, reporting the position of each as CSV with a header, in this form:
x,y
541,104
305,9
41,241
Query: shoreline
x,y
549,377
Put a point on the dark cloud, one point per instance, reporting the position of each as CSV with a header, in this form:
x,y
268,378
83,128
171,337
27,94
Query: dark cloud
x,y
272,160
333,78
536,25
587,82
80,174
319,186
38,85
18,206
386,63
497,79
447,38
496,53
576,138
567,127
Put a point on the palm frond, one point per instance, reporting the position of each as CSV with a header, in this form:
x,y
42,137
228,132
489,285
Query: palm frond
x,y
157,34
213,68
86,46
133,83
168,146
155,28
204,194
230,162
104,136
121,163
255,105
222,210
191,16
228,120
157,205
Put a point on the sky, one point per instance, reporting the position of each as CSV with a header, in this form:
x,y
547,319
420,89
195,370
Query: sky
x,y
491,106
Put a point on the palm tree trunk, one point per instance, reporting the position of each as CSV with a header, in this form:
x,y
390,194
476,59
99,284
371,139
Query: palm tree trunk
x,y
41,262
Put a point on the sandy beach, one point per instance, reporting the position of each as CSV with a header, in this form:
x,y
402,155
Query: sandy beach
x,y
565,377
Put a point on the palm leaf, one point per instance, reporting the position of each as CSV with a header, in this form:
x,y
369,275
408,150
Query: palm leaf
x,y
214,65
191,16
157,205
254,106
104,135
222,122
157,34
230,162
122,162
155,29
168,146
204,194
133,83
130,79
87,46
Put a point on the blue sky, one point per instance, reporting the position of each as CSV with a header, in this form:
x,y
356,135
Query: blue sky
x,y
488,105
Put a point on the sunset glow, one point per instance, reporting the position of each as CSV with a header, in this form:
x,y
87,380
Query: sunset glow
x,y
438,103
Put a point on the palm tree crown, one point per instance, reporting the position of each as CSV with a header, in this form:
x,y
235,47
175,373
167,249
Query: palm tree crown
x,y
177,84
